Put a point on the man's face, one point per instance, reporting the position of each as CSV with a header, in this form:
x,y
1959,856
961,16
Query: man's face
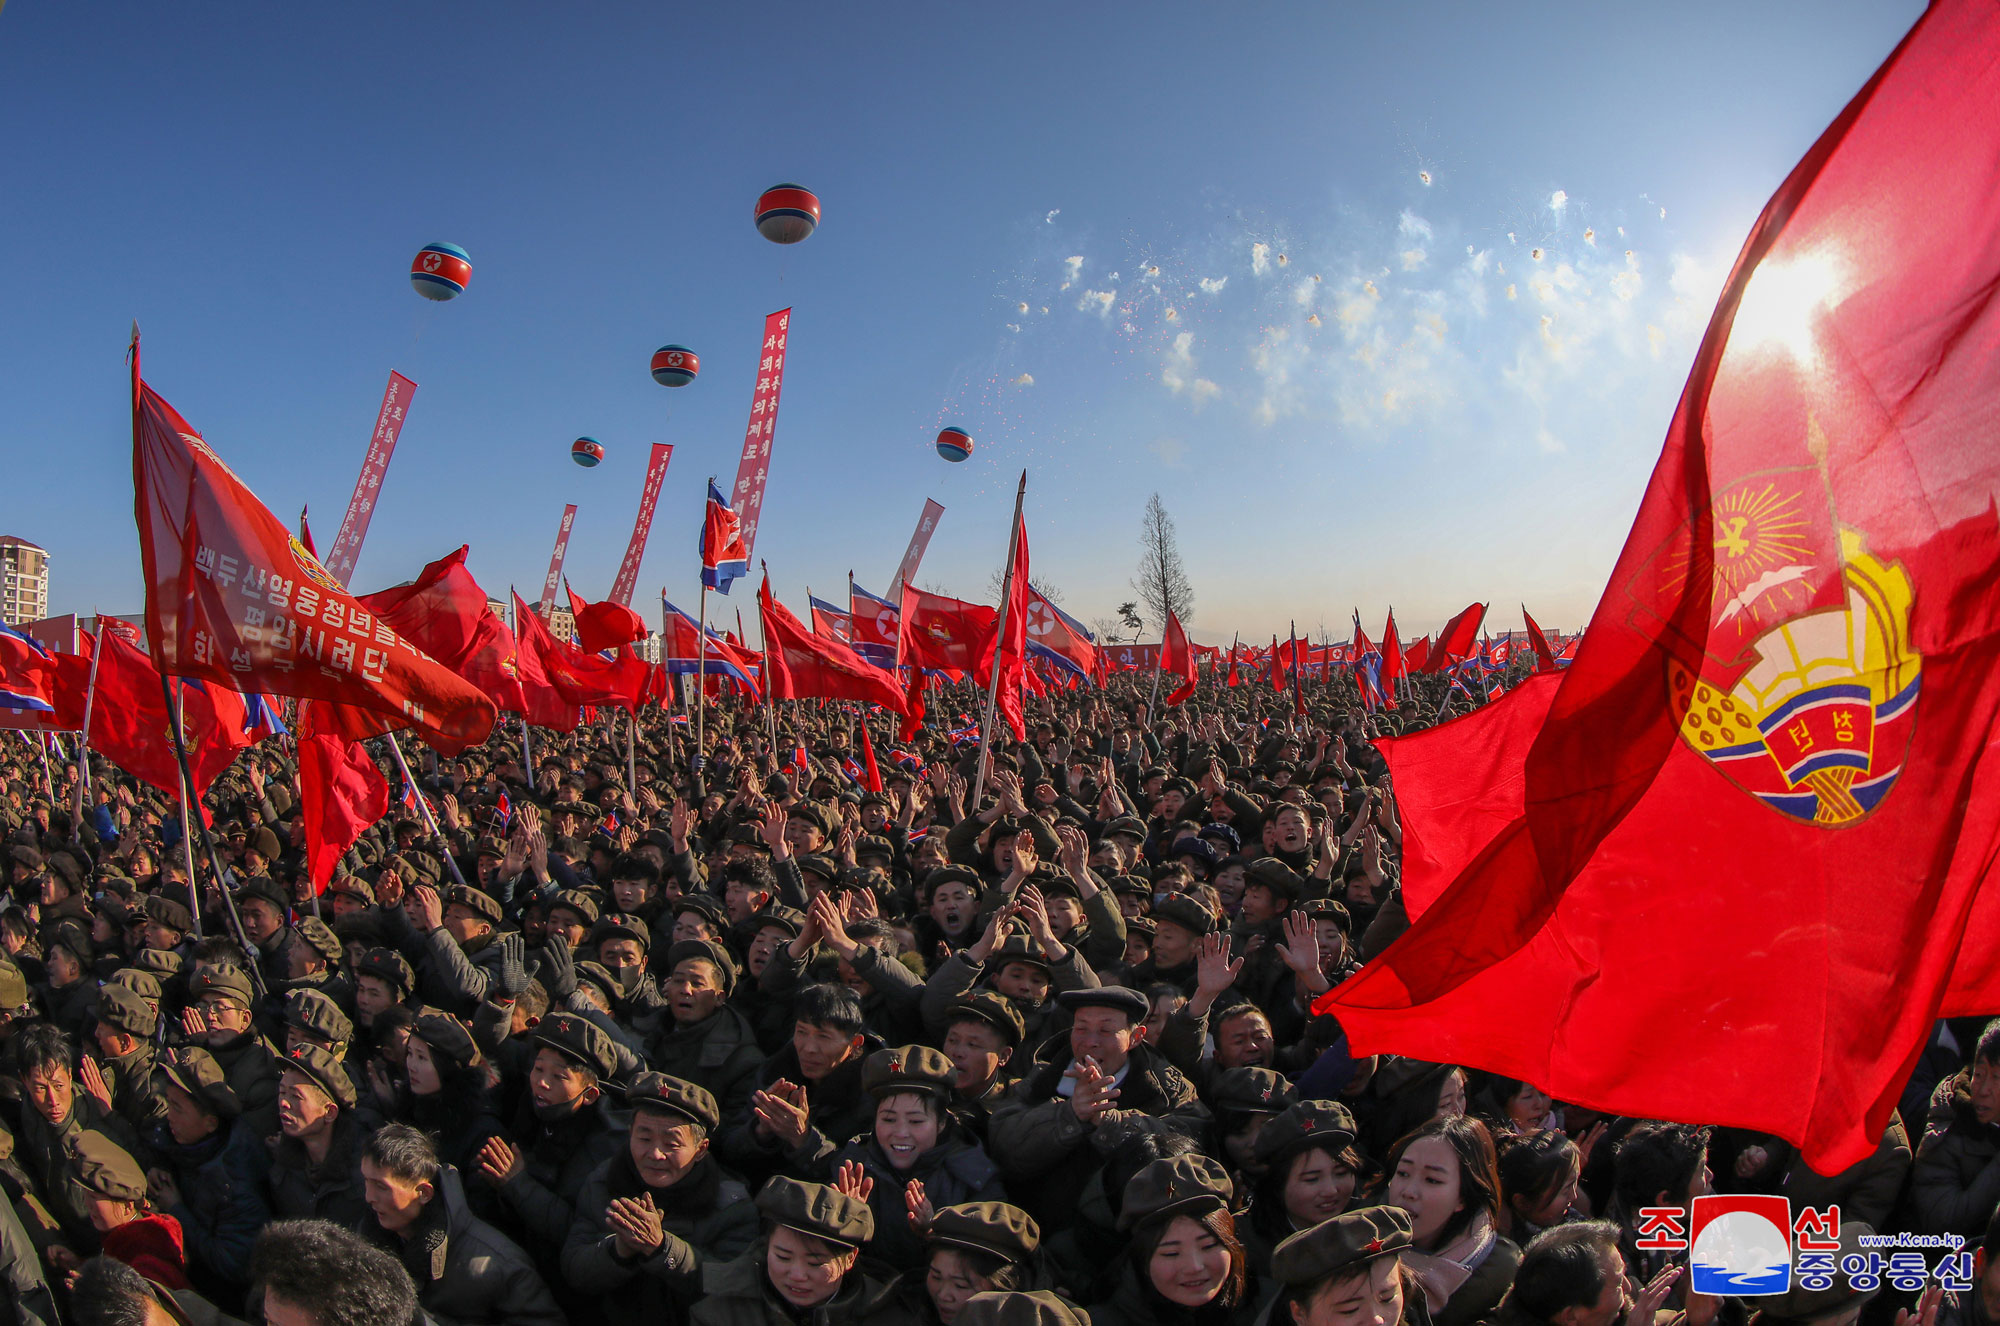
x,y
466,925
1065,914
742,900
765,946
978,1052
1293,830
664,1147
621,954
186,1119
631,894
694,991
372,995
227,1019
873,816
1173,945
487,868
1260,904
693,925
1106,1035
1332,944
555,1082
396,1202
1168,807
155,935
1985,1090
569,924
953,907
1026,982
50,1090
1611,1303
802,835
1245,1041
303,1106
821,1049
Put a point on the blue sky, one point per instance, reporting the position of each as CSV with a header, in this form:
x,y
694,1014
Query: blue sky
x,y
1390,303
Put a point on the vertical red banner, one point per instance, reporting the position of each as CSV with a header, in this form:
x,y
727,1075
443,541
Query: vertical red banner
x,y
635,551
556,561
913,556
748,495
346,548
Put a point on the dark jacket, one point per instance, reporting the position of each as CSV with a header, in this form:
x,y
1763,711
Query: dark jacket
x,y
738,1293
956,1170
1134,1304
222,1202
466,1271
707,1218
333,1191
719,1053
1955,1182
558,1158
837,1109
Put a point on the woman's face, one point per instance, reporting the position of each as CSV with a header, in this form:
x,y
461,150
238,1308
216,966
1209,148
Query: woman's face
x,y
1241,1145
1190,1265
906,1126
1374,1299
421,1069
1552,1206
1426,1184
951,1281
1527,1108
805,1271
1451,1095
1318,1188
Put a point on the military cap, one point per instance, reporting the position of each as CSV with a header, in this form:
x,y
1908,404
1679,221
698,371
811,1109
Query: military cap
x,y
13,985
325,1072
142,983
389,967
1054,883
488,845
1321,1123
1801,1304
995,1010
1252,1090
907,1068
158,961
580,1041
1017,948
26,857
265,843
1185,912
1226,835
68,868
421,864
965,875
446,1036
1174,1186
1018,1307
320,936
993,1228
315,1013
122,1009
819,816
708,909
1274,875
577,901
1196,847
230,982
874,844
476,900
166,912
662,1094
746,835
1331,1246
195,1071
1123,998
73,935
267,889
354,887
599,975
1330,909
1135,885
819,863
706,950
621,925
107,1169
789,919
1129,826
818,1210
1142,925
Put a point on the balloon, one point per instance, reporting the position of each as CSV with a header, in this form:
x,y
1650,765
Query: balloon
x,y
586,451
787,214
441,271
954,444
675,365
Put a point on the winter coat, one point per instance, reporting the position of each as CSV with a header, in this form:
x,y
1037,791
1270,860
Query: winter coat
x,y
837,1109
23,1290
956,1170
48,1157
559,1157
737,1293
222,1204
331,1192
720,1054
250,1066
707,1218
1955,1182
467,1273
1133,1304
958,976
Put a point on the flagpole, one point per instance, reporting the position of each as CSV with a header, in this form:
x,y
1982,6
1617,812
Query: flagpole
x,y
527,750
701,680
423,807
993,683
48,779
764,641
208,843
89,703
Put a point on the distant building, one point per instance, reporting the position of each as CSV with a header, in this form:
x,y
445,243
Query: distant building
x,y
24,581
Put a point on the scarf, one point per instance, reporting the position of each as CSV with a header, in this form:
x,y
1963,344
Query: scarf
x,y
1441,1273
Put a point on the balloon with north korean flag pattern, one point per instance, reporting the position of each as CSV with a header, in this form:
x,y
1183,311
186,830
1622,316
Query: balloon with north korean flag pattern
x,y
787,213
954,443
675,365
586,451
441,271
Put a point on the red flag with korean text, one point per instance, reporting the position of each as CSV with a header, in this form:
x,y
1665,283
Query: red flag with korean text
x,y
1793,680
233,599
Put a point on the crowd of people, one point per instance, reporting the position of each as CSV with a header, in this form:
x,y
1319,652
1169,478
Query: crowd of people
x,y
731,1039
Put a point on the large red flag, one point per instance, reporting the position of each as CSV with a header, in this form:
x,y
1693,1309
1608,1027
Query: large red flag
x,y
1013,641
1417,656
577,678
341,792
946,634
1545,658
232,598
128,718
803,664
1747,876
602,626
1455,642
446,614
1177,660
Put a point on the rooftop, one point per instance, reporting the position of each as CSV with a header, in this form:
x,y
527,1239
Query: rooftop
x,y
18,541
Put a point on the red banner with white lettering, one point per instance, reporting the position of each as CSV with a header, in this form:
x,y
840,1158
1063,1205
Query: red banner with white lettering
x,y
913,556
556,561
635,551
748,495
346,548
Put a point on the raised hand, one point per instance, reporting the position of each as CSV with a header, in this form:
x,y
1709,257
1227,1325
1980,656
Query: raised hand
x,y
1214,971
853,1180
90,1077
917,1203
1301,947
499,1162
1647,1300
635,1225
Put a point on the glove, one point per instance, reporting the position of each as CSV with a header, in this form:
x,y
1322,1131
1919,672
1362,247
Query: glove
x,y
558,969
695,763
511,977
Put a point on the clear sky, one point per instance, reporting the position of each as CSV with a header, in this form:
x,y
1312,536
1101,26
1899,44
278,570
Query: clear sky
x,y
1391,303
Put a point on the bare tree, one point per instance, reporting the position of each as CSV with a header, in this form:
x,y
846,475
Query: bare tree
x,y
1048,589
1162,582
1105,629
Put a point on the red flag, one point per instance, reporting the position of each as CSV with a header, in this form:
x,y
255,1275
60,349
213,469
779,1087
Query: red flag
x,y
1231,680
128,719
602,626
1277,667
803,664
577,678
946,634
1455,642
1392,657
446,614
341,793
232,598
872,774
1177,660
1545,659
1811,567
1013,642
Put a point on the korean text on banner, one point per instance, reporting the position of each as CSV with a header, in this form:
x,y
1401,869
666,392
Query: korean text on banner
x,y
635,551
374,467
556,562
748,495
